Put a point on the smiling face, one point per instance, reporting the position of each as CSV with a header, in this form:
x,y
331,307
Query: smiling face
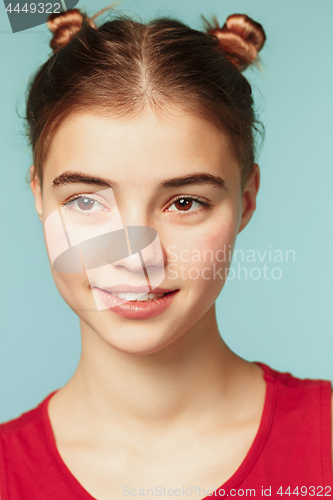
x,y
146,172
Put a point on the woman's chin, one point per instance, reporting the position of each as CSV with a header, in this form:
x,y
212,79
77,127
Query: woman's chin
x,y
138,341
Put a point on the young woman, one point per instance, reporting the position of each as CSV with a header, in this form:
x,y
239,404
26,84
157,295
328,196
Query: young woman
x,y
143,176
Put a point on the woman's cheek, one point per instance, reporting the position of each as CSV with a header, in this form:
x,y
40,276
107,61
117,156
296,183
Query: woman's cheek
x,y
217,248
202,256
73,288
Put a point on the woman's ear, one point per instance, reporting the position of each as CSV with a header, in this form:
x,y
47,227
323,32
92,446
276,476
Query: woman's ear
x,y
37,192
249,196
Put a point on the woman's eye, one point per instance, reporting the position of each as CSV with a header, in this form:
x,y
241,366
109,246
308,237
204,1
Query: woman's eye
x,y
84,204
186,204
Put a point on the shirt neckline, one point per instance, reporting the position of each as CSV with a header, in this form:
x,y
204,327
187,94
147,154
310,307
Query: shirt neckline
x,y
270,377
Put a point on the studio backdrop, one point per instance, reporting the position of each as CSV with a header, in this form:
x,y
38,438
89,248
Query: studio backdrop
x,y
276,306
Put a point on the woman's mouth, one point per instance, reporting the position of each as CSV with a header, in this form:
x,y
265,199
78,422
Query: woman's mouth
x,y
138,297
137,305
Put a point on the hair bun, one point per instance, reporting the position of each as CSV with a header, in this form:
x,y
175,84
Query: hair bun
x,y
65,26
240,39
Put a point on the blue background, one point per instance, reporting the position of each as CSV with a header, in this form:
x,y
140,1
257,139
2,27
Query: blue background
x,y
285,322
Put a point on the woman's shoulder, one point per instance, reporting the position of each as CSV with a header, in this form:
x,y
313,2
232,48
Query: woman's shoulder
x,y
26,423
15,424
300,403
19,423
300,422
293,383
24,455
16,437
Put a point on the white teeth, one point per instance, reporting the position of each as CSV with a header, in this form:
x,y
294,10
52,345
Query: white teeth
x,y
130,296
143,297
137,296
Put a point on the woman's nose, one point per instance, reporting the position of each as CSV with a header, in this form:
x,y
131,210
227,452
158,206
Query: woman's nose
x,y
144,251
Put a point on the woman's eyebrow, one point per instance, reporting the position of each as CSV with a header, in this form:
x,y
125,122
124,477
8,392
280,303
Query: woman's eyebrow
x,y
199,178
80,177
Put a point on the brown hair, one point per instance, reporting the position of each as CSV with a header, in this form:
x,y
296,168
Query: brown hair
x,y
123,65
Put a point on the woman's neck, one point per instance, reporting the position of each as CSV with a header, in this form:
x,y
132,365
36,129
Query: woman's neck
x,y
180,383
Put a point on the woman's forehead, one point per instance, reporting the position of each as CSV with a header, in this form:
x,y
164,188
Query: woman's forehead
x,y
148,141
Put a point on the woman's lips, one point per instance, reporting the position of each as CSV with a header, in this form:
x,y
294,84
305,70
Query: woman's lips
x,y
136,310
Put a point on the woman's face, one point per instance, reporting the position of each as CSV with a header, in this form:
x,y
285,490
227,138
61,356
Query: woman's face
x,y
141,167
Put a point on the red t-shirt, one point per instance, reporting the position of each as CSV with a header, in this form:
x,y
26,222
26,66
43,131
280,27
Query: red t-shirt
x,y
290,456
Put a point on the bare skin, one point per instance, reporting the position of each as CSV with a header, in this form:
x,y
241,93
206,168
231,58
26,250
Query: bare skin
x,y
163,402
